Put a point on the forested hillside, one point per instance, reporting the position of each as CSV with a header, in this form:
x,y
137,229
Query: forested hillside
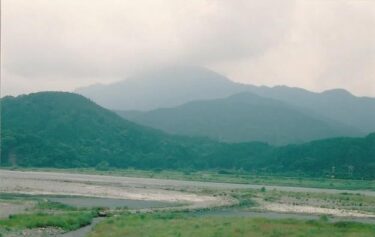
x,y
67,130
337,104
56,129
243,117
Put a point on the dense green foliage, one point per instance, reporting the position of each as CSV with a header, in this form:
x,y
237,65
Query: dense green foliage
x,y
68,130
171,224
242,117
55,129
350,157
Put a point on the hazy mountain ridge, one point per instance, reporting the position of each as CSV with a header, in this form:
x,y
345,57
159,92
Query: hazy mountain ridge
x,y
336,104
176,86
55,129
240,118
164,88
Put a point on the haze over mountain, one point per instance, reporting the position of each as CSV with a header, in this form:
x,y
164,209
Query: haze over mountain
x,y
315,44
168,87
55,129
175,86
337,104
241,118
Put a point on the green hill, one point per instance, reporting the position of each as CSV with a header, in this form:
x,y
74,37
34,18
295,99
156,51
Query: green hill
x,y
241,118
56,129
67,130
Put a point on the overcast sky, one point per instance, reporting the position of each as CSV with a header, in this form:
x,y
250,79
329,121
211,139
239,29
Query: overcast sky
x,y
65,44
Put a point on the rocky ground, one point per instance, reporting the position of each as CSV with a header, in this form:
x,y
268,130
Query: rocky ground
x,y
194,195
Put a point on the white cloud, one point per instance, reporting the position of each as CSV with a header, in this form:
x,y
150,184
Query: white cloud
x,y
331,44
63,44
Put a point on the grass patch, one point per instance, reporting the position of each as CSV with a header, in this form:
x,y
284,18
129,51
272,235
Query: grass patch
x,y
67,221
49,205
172,224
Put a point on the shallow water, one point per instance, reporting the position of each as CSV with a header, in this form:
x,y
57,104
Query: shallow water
x,y
109,202
103,202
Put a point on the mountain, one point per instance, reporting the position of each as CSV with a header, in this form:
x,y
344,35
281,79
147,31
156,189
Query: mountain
x,y
57,129
175,86
168,87
337,104
240,118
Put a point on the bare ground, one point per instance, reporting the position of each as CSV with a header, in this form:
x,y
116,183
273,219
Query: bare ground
x,y
11,208
153,189
43,183
310,209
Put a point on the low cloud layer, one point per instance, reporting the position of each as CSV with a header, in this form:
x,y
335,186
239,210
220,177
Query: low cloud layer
x,y
64,44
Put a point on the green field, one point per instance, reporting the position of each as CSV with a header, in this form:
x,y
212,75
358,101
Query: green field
x,y
170,224
66,221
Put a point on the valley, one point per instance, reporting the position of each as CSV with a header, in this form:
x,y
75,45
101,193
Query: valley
x,y
73,168
66,130
174,118
22,193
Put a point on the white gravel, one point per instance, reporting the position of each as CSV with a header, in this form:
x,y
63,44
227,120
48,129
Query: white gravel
x,y
50,183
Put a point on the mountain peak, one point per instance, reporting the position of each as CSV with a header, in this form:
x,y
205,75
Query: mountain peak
x,y
337,92
167,87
